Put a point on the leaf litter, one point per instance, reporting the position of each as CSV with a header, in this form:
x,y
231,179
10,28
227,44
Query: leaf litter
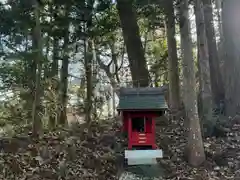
x,y
222,153
94,155
61,154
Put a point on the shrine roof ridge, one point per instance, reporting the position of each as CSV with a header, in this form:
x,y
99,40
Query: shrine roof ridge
x,y
143,91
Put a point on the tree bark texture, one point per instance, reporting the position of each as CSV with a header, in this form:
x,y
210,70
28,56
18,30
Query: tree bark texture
x,y
37,44
231,32
203,65
64,72
131,35
215,73
172,57
195,149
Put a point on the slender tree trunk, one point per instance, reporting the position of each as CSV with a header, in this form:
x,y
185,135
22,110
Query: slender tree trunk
x,y
64,72
219,18
88,62
107,70
218,4
172,57
216,77
88,73
55,81
55,55
203,65
37,43
54,70
195,150
114,72
231,32
46,70
131,35
30,67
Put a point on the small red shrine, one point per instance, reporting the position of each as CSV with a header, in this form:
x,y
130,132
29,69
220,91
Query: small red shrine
x,y
139,108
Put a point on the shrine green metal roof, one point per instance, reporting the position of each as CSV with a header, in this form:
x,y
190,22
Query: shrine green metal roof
x,y
142,99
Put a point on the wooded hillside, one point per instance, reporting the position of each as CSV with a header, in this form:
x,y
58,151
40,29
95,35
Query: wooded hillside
x,y
63,62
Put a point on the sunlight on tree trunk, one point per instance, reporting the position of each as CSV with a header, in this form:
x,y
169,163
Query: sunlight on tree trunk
x,y
231,31
218,4
216,77
172,58
195,150
203,65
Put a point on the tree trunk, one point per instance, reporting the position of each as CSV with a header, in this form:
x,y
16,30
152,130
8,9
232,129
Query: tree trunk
x,y
88,73
203,65
64,73
37,44
108,72
172,57
53,117
195,148
131,35
55,81
55,55
30,67
219,18
216,78
220,29
231,32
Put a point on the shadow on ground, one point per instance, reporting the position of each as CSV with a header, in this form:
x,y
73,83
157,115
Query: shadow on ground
x,y
146,171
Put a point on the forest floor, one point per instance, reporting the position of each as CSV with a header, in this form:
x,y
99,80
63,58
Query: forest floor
x,y
77,154
222,153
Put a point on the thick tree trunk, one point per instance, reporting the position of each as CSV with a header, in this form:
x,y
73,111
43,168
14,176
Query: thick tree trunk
x,y
231,32
216,77
172,57
195,148
203,65
37,44
131,35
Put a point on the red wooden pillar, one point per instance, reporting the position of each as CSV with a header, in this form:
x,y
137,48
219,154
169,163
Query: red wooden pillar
x,y
129,121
